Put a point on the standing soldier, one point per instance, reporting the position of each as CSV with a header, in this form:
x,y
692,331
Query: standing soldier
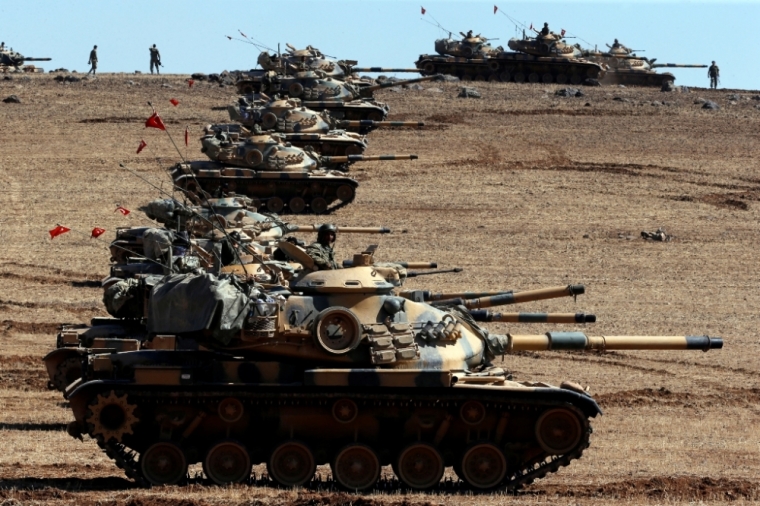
x,y
714,74
155,58
93,60
322,251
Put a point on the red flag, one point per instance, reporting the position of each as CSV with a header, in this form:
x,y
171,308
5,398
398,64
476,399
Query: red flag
x,y
562,34
58,230
190,83
422,9
495,8
123,210
187,135
97,232
174,102
141,146
155,121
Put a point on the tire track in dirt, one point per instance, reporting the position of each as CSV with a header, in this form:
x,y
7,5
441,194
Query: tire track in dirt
x,y
49,280
18,372
54,270
668,488
12,326
734,397
687,363
600,360
72,307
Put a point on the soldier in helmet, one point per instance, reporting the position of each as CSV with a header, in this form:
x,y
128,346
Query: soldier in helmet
x,y
322,251
714,74
544,31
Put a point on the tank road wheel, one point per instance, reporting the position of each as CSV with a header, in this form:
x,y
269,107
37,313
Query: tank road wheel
x,y
558,431
318,205
297,205
356,467
493,78
420,466
547,78
483,466
533,77
561,78
163,464
254,157
472,412
429,68
227,462
291,464
353,150
67,373
337,330
345,192
230,410
295,90
345,411
275,205
519,77
576,79
480,77
111,416
494,65
505,77
269,120
466,77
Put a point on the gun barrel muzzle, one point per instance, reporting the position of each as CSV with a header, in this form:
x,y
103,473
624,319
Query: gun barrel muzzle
x,y
580,341
484,315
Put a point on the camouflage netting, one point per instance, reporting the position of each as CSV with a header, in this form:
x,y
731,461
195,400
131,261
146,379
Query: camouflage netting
x,y
189,303
123,299
157,243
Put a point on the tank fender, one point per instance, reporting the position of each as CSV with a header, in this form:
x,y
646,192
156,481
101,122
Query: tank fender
x,y
56,357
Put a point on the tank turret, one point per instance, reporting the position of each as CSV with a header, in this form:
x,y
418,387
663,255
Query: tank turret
x,y
546,59
13,60
625,67
336,369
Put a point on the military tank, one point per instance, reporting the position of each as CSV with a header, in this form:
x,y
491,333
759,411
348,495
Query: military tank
x,y
339,371
319,92
544,59
624,67
13,61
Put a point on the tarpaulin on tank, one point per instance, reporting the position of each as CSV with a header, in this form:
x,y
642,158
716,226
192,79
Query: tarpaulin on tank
x,y
185,303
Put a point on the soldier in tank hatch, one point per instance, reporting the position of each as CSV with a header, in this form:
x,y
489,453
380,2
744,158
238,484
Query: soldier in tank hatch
x,y
322,251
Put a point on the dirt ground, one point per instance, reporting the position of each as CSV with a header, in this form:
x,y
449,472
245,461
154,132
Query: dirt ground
x,y
523,189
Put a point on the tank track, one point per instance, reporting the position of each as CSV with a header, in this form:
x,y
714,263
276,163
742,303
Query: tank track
x,y
126,459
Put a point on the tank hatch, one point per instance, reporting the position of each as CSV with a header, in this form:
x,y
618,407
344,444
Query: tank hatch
x,y
363,279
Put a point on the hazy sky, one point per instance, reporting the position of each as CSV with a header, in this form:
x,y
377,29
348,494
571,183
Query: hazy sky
x,y
191,34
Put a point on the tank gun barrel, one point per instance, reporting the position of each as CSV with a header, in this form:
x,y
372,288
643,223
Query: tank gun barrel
x,y
368,123
678,65
367,90
382,69
29,58
405,265
484,315
365,158
342,230
580,341
504,299
414,274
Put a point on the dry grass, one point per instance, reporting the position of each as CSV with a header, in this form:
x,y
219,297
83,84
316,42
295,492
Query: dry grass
x,y
521,188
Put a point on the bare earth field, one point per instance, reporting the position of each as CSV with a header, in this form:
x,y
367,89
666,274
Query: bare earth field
x,y
521,188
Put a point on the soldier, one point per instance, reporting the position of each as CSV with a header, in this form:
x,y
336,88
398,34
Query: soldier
x,y
714,74
469,34
545,30
322,251
2,46
155,58
93,60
